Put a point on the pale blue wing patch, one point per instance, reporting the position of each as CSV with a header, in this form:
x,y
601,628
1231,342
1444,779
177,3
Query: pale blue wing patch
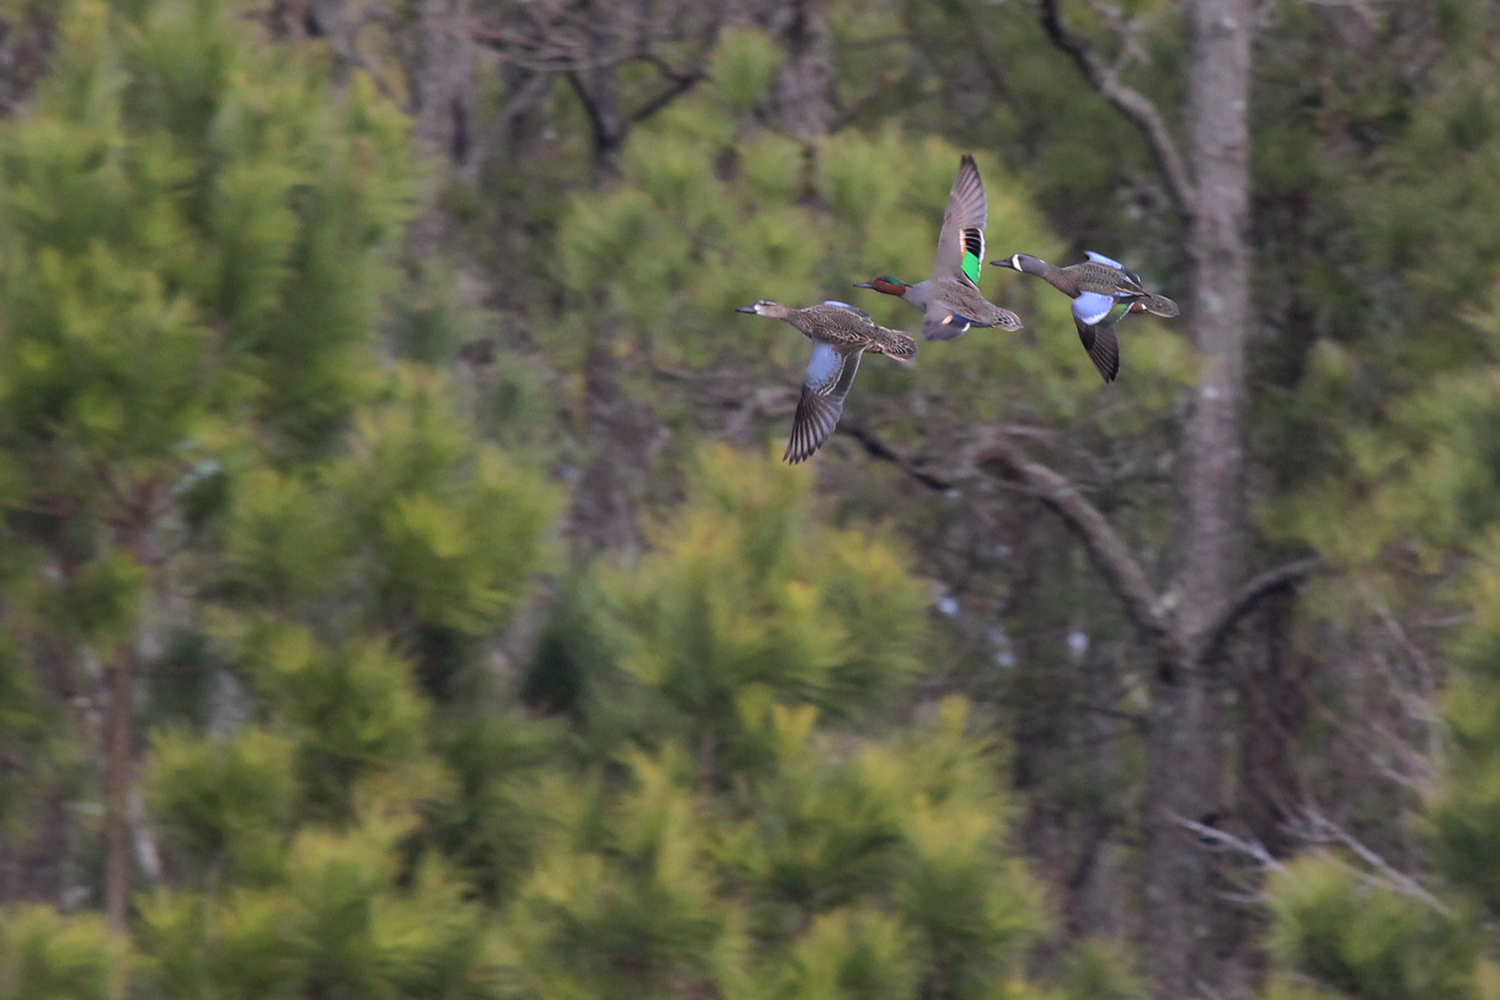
x,y
1092,307
824,368
844,305
830,373
1099,258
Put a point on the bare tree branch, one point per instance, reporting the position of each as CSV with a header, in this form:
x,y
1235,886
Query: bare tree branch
x,y
845,116
1320,829
1252,849
588,43
876,448
681,84
1251,593
1420,664
1133,104
1109,553
604,121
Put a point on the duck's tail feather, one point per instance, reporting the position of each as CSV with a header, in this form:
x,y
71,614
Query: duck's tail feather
x,y
895,345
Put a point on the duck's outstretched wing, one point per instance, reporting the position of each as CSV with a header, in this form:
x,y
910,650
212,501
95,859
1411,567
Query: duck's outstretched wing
x,y
1102,345
1094,315
830,373
960,248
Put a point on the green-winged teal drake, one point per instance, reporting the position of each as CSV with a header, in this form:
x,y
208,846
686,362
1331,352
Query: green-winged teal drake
x,y
950,300
1103,293
840,334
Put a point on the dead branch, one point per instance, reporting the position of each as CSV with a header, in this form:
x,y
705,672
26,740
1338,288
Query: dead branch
x,y
1253,849
1426,676
681,84
846,115
1134,105
605,126
1106,549
1251,593
878,449
1318,828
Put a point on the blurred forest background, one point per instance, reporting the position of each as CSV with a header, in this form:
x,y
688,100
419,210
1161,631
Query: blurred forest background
x,y
402,597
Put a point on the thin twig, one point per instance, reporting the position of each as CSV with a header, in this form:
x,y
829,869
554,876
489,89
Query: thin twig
x,y
1423,667
1108,551
1133,104
679,86
1324,829
878,449
1252,849
1251,593
847,115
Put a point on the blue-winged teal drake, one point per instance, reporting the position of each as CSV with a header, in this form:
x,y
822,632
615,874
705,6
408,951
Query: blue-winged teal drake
x,y
1103,293
840,334
951,300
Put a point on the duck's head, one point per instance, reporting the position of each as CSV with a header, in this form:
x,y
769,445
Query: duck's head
x,y
1023,262
765,307
885,283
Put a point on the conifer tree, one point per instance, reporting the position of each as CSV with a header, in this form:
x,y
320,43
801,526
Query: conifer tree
x,y
756,826
198,234
1425,928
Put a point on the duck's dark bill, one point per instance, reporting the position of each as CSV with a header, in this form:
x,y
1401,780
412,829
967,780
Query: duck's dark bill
x,y
744,309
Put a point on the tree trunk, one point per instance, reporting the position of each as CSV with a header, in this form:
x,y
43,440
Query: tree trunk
x,y
1187,755
443,78
120,677
1219,146
1182,783
801,95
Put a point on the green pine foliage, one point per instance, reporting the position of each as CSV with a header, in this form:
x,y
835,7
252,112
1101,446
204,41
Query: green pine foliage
x,y
47,956
418,531
1365,940
170,230
1426,487
1465,809
746,598
228,805
197,232
332,926
199,238
746,836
